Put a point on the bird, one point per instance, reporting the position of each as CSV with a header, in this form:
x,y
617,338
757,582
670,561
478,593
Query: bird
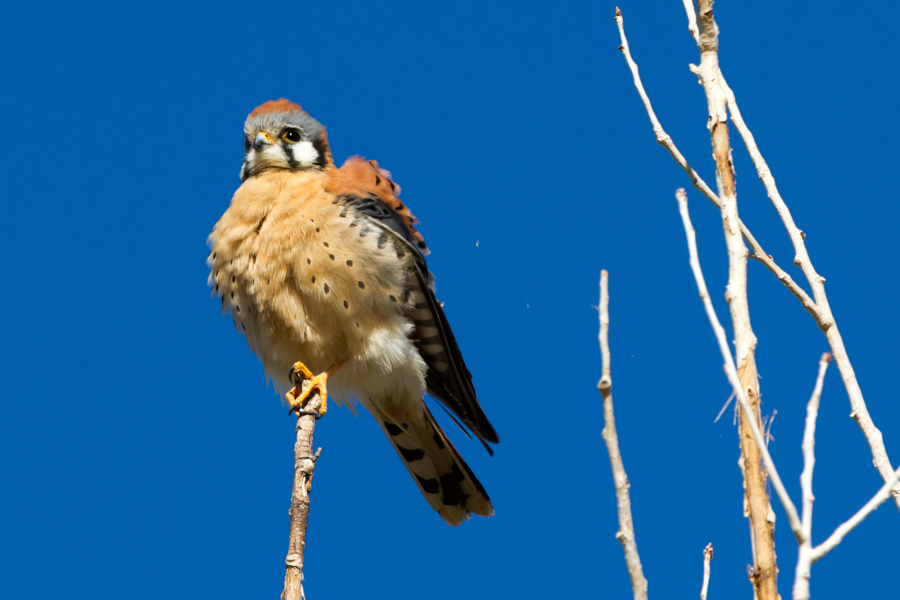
x,y
324,273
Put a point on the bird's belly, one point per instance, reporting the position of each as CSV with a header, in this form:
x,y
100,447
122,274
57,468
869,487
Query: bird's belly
x,y
320,295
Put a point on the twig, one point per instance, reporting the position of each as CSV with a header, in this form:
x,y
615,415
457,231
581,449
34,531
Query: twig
x,y
804,554
769,421
625,535
707,558
304,467
766,570
664,140
724,407
822,309
692,20
730,370
835,538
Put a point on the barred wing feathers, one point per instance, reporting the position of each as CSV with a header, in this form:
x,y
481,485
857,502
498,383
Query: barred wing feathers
x,y
369,189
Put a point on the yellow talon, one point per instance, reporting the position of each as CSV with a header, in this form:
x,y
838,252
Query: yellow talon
x,y
300,373
296,398
302,370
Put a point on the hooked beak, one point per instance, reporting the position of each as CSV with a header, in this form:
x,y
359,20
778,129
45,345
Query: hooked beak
x,y
262,139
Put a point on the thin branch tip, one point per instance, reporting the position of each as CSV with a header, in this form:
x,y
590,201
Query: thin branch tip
x,y
850,524
732,372
707,558
625,534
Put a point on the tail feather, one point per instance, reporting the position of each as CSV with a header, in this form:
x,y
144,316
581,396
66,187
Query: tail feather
x,y
441,474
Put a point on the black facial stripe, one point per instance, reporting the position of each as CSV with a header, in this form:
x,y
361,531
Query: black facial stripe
x,y
255,166
321,150
289,152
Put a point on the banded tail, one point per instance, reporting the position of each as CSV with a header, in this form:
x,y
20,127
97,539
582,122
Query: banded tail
x,y
441,474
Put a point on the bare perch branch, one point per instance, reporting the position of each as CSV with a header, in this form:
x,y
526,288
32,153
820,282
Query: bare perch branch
x,y
707,558
625,535
730,370
664,140
804,554
304,467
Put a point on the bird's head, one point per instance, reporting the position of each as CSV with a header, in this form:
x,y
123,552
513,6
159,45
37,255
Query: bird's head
x,y
280,135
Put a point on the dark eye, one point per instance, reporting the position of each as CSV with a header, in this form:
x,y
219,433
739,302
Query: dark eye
x,y
247,144
291,135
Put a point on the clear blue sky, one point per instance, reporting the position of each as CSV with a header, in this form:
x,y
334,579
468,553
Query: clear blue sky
x,y
141,453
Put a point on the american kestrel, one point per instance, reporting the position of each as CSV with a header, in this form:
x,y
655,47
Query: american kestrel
x,y
325,275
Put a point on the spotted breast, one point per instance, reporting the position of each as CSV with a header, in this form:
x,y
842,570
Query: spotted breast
x,y
325,266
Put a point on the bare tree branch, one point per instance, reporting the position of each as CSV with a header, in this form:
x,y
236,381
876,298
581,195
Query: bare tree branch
x,y
822,309
707,558
625,535
692,20
765,573
742,375
804,554
730,370
809,443
304,467
877,500
825,319
664,140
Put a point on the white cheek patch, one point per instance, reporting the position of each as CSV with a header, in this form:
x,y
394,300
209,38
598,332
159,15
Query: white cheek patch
x,y
304,152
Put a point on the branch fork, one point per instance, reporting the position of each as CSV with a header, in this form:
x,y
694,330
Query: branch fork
x,y
740,368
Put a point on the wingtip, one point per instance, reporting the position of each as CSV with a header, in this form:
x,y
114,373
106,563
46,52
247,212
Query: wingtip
x,y
486,431
484,443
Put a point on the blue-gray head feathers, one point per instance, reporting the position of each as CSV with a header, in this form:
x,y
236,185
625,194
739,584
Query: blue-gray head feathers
x,y
280,135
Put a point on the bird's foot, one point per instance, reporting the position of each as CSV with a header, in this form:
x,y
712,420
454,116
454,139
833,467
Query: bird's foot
x,y
297,396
